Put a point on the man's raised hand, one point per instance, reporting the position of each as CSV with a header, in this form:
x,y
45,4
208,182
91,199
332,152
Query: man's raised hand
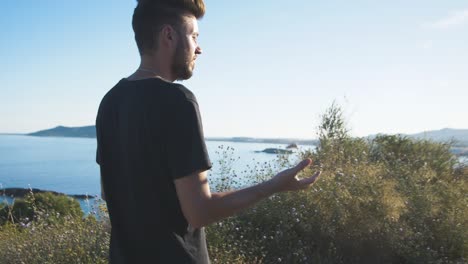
x,y
286,180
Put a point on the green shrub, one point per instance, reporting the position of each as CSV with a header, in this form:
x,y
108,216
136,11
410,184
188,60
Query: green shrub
x,y
72,240
387,200
37,205
390,199
50,228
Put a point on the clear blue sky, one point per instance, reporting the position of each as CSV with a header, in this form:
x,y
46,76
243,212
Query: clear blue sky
x,y
269,68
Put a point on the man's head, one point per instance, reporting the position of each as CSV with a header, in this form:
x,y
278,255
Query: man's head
x,y
170,28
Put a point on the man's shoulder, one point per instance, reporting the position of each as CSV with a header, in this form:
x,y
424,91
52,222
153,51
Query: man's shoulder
x,y
173,92
183,93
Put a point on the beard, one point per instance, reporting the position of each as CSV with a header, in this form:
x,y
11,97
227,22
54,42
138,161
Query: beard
x,y
181,64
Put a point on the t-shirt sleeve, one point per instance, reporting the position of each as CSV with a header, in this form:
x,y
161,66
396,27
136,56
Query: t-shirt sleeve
x,y
98,141
186,149
98,155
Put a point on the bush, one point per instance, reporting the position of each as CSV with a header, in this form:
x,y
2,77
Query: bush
x,y
50,228
35,205
390,199
386,200
73,240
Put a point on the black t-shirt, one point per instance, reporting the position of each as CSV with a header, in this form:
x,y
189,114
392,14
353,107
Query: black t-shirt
x,y
149,133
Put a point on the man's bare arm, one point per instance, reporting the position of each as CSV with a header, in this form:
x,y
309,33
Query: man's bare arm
x,y
200,207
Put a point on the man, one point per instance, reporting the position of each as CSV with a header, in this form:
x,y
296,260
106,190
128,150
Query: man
x,y
151,148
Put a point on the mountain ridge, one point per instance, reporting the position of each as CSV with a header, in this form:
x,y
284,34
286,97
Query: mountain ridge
x,y
458,136
63,131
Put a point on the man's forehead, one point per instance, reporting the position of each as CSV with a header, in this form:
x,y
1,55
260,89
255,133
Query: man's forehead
x,y
191,24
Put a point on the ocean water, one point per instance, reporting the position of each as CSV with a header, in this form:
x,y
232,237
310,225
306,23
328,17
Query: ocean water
x,y
68,165
464,160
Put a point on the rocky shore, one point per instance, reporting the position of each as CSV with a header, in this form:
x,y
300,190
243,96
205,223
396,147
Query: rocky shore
x,y
21,192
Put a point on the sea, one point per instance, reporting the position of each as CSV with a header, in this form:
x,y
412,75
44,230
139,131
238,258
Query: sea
x,y
67,165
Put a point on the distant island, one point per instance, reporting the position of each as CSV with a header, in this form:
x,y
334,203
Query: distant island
x,y
90,132
275,151
459,137
62,131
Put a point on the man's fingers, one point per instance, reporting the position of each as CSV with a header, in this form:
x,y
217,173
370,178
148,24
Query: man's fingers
x,y
311,179
302,165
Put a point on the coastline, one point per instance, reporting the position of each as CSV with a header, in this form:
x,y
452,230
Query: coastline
x,y
22,192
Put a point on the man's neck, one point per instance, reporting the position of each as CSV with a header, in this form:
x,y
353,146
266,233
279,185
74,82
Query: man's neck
x,y
151,67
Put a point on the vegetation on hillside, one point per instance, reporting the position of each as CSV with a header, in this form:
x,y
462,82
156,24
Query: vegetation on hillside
x,y
388,200
391,199
49,228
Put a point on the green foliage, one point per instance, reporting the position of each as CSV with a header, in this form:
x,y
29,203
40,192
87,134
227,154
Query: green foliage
x,y
73,240
402,154
35,205
386,200
49,228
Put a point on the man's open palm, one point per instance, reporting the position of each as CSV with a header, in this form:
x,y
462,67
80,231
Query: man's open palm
x,y
287,181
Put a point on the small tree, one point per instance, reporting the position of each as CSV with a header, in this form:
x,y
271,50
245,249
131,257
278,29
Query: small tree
x,y
336,147
332,126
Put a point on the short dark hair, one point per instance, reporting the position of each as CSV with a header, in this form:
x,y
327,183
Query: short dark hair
x,y
150,15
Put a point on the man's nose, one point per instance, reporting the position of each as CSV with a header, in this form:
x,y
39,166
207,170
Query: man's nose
x,y
198,50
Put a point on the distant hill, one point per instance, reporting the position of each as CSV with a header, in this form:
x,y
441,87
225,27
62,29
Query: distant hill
x,y
90,132
459,136
61,131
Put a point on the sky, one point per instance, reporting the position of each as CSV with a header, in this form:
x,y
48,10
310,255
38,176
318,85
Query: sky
x,y
268,68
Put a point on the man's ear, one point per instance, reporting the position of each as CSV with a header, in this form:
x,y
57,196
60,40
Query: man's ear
x,y
168,35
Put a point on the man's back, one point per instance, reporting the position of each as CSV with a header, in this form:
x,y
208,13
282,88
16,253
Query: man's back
x,y
152,152
149,134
